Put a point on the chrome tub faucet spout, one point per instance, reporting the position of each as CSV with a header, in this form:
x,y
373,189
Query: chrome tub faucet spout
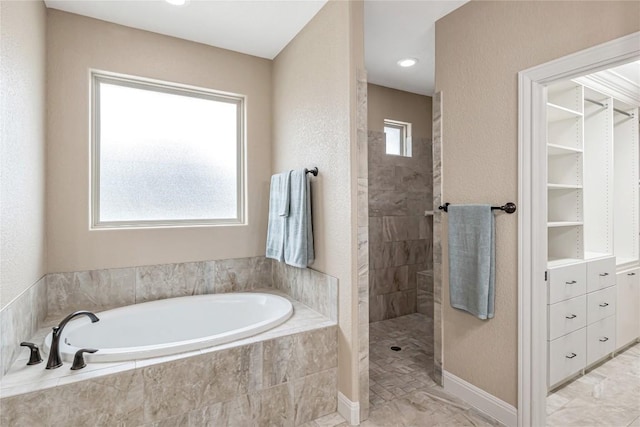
x,y
54,352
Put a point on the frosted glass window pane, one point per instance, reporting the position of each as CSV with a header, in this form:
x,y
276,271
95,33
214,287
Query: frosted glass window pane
x,y
166,156
393,140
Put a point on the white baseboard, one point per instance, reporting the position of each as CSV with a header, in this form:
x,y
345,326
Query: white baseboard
x,y
348,409
480,399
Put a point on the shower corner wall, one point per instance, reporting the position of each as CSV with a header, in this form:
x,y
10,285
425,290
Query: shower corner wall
x,y
400,235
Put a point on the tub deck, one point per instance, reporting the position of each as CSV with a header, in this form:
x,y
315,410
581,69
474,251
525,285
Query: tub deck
x,y
21,379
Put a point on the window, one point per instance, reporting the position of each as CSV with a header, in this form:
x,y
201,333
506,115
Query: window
x,y
165,154
398,136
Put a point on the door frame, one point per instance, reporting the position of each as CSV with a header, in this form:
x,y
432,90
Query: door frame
x,y
532,211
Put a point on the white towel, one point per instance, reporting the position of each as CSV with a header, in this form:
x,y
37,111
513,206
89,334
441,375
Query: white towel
x,y
278,212
298,246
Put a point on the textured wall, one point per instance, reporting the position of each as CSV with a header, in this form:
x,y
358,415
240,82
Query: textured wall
x,y
22,152
311,127
400,191
480,48
76,44
386,103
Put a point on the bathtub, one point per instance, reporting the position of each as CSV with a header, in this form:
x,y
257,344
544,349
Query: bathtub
x,y
170,326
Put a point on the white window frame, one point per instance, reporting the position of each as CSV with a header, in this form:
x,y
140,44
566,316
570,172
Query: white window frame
x,y
405,136
97,77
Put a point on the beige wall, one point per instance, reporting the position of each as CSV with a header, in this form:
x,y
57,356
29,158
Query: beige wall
x,y
311,127
76,44
386,103
22,148
479,50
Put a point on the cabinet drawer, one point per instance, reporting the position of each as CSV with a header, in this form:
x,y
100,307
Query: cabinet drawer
x,y
627,306
567,355
567,316
601,304
601,339
601,274
567,282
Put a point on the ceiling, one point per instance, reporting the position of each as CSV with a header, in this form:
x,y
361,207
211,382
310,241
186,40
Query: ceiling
x,y
397,29
394,29
255,27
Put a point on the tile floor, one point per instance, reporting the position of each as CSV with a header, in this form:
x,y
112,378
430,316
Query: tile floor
x,y
608,395
402,392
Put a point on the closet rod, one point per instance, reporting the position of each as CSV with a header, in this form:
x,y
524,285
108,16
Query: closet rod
x,y
606,106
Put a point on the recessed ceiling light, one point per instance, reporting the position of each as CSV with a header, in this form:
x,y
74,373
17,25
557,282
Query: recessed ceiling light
x,y
177,2
407,62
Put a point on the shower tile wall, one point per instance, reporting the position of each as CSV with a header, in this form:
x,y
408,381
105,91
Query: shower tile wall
x,y
400,235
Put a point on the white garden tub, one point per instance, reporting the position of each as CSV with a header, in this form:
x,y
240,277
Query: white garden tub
x,y
170,326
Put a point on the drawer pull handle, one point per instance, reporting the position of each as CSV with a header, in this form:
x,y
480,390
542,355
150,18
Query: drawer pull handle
x,y
604,339
571,355
571,282
571,316
631,274
604,274
604,304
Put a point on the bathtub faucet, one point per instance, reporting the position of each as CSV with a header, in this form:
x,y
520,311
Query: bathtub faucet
x,y
54,352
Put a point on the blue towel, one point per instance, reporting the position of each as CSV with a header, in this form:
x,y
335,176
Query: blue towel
x,y
298,246
472,259
278,212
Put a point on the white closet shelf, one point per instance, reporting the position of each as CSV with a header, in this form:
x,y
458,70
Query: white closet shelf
x,y
555,224
622,260
556,113
558,262
595,255
559,150
564,186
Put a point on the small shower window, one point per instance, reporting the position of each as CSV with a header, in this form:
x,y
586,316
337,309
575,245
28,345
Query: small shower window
x,y
398,137
165,154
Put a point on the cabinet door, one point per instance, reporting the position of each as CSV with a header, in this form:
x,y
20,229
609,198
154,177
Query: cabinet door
x,y
601,274
567,316
628,310
601,304
601,339
567,282
567,355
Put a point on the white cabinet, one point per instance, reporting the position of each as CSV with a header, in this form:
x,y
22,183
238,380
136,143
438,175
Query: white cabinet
x,y
601,304
601,339
567,316
628,307
567,356
601,274
567,282
581,324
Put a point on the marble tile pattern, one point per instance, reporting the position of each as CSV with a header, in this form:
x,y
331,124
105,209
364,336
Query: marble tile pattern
x,y
425,293
286,381
400,234
362,155
607,395
437,236
402,390
99,290
317,290
19,320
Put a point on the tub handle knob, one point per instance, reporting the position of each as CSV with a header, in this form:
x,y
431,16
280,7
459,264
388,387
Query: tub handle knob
x,y
78,359
34,356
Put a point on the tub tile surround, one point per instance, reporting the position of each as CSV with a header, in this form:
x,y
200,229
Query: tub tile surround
x,y
19,320
284,376
317,290
399,233
313,294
